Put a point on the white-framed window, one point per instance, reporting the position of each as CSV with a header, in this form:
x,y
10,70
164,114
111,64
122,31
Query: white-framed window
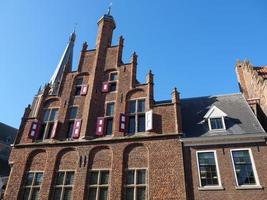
x,y
216,123
136,184
215,118
32,185
113,77
50,116
136,116
244,168
208,170
64,185
98,184
110,106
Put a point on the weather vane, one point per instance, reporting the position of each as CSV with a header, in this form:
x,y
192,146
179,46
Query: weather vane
x,y
109,8
75,26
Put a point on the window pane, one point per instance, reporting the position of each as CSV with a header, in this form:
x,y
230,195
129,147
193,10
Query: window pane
x,y
141,105
141,193
112,86
104,177
141,176
57,193
49,129
60,178
79,81
129,193
93,177
141,123
129,177
103,194
53,114
67,194
78,90
110,109
109,126
69,178
38,178
132,106
26,193
35,193
113,76
131,125
70,129
46,115
73,112
216,123
243,168
29,179
207,169
92,194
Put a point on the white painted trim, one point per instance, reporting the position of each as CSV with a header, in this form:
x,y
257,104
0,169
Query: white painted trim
x,y
253,168
223,123
211,110
209,187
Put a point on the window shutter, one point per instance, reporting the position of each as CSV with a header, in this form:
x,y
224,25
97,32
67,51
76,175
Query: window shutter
x,y
122,122
149,120
105,87
34,130
100,124
84,90
53,134
76,128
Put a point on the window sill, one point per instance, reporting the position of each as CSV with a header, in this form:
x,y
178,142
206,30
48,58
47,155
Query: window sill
x,y
211,188
249,187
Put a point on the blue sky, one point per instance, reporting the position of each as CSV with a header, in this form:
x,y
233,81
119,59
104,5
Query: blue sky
x,y
190,44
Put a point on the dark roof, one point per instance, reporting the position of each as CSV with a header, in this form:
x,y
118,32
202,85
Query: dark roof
x,y
240,118
7,133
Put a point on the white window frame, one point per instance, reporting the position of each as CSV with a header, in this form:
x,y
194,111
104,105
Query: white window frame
x,y
215,187
212,129
98,185
64,186
135,185
113,81
257,184
48,122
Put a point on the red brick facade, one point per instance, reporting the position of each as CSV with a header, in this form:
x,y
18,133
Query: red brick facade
x,y
170,165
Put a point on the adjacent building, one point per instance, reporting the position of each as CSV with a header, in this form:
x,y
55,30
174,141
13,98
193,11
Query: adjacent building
x,y
98,133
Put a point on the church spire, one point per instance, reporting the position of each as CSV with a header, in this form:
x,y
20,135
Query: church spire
x,y
65,64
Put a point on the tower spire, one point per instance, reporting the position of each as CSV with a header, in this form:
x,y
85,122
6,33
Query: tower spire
x,y
109,9
65,64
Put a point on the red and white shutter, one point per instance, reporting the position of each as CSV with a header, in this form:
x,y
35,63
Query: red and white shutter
x,y
76,128
105,87
34,130
100,124
122,122
149,120
84,90
53,134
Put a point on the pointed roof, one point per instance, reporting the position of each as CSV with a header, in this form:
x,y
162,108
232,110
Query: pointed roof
x,y
65,61
214,112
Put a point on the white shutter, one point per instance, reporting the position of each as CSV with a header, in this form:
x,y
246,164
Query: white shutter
x,y
149,120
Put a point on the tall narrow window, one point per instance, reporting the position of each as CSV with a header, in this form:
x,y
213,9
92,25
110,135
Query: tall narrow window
x,y
136,112
98,185
135,184
244,168
109,117
63,185
72,117
208,170
78,86
48,122
32,184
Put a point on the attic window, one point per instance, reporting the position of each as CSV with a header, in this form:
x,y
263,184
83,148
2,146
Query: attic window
x,y
215,118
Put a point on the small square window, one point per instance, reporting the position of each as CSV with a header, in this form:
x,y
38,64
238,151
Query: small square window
x,y
73,112
113,76
216,123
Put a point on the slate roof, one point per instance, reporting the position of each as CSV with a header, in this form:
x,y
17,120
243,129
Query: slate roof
x,y
7,134
240,119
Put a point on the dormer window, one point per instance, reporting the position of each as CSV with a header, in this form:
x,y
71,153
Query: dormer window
x,y
215,118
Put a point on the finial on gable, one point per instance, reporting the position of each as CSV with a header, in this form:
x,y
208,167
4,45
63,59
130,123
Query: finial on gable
x,y
109,9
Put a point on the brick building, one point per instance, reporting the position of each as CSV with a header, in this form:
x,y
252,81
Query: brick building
x,y
98,133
